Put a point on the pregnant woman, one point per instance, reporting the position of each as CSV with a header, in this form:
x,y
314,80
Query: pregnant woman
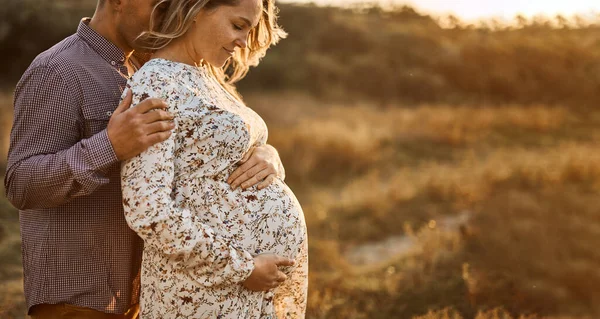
x,y
211,251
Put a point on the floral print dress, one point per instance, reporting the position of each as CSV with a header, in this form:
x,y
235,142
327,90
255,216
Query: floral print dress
x,y
200,235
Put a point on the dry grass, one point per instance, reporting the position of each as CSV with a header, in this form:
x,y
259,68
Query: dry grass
x,y
528,178
11,283
12,304
491,314
366,173
5,124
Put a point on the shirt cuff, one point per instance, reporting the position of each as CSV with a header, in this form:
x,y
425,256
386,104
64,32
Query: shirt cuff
x,y
102,154
244,266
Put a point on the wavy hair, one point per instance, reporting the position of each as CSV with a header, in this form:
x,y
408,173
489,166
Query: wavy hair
x,y
171,19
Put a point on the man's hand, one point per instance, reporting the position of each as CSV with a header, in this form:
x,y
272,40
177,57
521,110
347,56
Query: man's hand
x,y
132,130
266,275
259,165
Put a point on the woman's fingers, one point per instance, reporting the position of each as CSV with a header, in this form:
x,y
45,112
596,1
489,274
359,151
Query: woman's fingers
x,y
267,181
281,278
251,176
256,178
242,174
235,175
247,155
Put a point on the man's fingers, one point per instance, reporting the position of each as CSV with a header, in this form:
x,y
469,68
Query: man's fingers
x,y
158,137
158,115
267,181
161,126
150,104
125,103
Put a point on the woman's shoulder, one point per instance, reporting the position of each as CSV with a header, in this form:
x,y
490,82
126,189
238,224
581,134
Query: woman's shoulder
x,y
161,73
183,87
156,71
162,79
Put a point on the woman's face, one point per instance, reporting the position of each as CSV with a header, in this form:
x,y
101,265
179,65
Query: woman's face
x,y
218,32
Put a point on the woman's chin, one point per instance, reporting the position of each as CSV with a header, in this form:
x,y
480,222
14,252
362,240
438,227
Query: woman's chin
x,y
218,63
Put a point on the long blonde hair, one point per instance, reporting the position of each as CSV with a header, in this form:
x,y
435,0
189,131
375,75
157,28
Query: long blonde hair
x,y
171,19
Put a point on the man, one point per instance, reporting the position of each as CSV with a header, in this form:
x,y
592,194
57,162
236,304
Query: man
x,y
69,135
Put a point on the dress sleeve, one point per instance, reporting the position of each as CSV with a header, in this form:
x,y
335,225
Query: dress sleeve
x,y
151,209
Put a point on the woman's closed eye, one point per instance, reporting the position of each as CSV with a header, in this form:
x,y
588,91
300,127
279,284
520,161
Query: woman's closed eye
x,y
237,27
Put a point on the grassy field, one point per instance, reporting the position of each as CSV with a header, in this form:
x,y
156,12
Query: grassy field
x,y
526,178
12,303
466,207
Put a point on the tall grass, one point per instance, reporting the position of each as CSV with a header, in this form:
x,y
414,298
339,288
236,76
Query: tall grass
x,y
394,131
5,125
527,178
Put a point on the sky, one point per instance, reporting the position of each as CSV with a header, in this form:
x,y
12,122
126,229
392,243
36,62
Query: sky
x,y
475,9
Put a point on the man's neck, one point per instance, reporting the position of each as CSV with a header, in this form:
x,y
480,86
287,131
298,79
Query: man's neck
x,y
104,26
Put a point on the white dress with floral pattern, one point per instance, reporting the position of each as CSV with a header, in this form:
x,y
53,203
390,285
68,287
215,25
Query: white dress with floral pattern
x,y
200,235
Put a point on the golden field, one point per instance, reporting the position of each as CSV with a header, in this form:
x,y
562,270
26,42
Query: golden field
x,y
497,208
445,172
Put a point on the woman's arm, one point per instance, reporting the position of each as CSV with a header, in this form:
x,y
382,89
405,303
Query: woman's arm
x,y
151,208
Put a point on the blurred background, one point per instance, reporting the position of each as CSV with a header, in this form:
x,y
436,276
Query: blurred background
x,y
445,152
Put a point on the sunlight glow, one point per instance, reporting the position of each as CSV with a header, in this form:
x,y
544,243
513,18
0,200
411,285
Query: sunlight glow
x,y
476,9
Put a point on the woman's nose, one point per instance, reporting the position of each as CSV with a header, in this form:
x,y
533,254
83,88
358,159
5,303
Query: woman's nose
x,y
241,43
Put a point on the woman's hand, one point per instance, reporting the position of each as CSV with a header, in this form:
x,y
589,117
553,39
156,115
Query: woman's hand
x,y
266,275
260,165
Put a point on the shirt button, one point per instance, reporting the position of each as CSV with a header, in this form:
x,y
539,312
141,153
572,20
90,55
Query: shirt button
x,y
109,113
113,62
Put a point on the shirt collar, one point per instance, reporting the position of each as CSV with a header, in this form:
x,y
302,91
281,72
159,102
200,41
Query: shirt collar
x,y
106,49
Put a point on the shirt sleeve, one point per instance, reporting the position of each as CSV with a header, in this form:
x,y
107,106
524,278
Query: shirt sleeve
x,y
153,210
48,163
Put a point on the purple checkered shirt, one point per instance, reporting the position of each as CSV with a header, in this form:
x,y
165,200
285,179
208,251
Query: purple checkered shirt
x,y
63,175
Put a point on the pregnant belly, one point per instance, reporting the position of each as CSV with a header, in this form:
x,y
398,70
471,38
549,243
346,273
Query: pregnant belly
x,y
269,220
273,221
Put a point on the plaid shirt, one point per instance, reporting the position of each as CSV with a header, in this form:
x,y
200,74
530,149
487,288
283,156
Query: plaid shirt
x,y
63,175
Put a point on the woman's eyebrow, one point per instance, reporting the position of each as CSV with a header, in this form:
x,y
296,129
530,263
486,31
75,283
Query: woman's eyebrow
x,y
248,23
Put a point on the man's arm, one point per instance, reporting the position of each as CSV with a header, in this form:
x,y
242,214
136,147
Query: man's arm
x,y
48,163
